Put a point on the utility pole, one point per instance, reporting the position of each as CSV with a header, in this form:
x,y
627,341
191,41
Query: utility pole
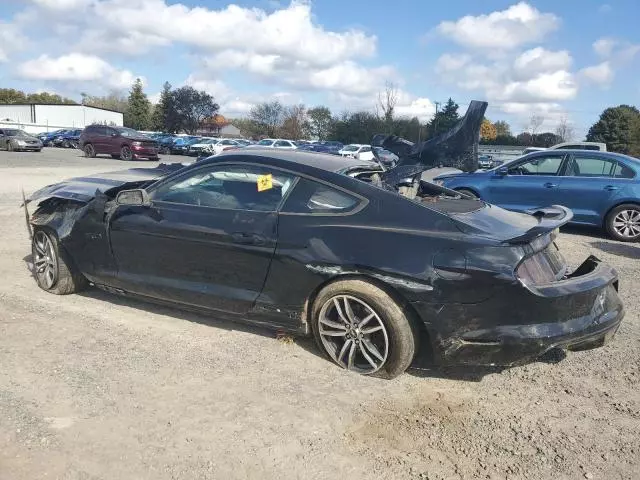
x,y
435,126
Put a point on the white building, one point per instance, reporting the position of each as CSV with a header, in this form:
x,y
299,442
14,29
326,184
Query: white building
x,y
36,117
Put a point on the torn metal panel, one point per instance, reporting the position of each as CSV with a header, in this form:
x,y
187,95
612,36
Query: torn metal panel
x,y
456,148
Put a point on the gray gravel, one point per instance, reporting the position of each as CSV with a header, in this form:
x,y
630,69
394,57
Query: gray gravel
x,y
94,386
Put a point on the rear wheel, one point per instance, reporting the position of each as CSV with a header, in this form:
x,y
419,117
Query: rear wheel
x,y
362,328
89,151
125,153
623,222
53,273
466,191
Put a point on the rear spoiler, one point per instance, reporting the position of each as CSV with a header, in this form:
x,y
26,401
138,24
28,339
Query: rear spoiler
x,y
549,219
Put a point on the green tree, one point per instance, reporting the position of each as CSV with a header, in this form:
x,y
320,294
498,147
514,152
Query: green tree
x,y
114,100
502,129
11,95
444,120
320,122
189,107
268,117
137,114
619,128
163,117
248,128
50,98
357,127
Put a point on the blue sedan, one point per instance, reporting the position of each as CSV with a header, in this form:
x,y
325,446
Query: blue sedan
x,y
602,188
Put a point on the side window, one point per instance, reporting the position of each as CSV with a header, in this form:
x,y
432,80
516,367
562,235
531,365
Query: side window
x,y
365,149
236,187
540,165
313,197
584,166
622,171
282,143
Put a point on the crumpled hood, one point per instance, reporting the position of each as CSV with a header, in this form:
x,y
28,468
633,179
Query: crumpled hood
x,y
456,148
83,189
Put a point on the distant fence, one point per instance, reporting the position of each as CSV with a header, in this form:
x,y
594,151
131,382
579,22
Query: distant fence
x,y
501,152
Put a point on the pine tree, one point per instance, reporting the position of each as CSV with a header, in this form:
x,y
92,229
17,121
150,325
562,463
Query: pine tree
x,y
137,114
161,112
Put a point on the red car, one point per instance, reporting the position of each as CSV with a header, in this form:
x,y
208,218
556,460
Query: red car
x,y
119,142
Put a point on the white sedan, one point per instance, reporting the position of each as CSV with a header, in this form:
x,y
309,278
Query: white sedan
x,y
224,144
275,143
356,150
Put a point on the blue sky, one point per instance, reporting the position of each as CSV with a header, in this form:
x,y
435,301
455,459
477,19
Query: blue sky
x,y
555,59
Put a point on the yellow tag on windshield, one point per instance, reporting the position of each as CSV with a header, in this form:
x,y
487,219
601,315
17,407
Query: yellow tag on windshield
x,y
265,182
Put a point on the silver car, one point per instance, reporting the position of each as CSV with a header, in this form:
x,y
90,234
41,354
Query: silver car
x,y
13,139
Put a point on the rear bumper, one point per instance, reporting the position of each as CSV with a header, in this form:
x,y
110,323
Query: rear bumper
x,y
578,313
144,152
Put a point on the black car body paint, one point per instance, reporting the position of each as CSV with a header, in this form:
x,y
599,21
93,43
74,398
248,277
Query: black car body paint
x,y
471,272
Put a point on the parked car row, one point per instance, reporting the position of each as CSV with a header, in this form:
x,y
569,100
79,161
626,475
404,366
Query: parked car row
x,y
64,138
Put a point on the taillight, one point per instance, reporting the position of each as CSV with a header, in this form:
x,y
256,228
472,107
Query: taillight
x,y
543,267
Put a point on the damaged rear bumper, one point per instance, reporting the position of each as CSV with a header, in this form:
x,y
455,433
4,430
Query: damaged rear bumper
x,y
580,312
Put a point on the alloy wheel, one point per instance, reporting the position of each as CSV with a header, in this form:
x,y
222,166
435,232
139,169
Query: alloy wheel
x,y
627,223
353,334
45,261
125,153
88,151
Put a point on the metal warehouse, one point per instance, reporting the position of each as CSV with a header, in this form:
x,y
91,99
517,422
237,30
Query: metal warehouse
x,y
37,117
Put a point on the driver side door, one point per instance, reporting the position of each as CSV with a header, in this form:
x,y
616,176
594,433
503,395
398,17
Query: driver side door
x,y
206,240
529,183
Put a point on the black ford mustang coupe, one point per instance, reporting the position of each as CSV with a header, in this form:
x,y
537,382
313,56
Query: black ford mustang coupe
x,y
317,244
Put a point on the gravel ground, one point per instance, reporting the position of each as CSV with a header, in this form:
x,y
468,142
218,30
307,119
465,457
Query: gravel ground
x,y
94,386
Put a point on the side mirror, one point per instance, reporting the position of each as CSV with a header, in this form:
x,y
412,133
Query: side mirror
x,y
133,197
502,171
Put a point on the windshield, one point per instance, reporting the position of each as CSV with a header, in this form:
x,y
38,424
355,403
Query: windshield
x,y
265,142
351,148
14,132
129,132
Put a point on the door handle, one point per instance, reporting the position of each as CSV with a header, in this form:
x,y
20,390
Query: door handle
x,y
550,185
245,238
611,188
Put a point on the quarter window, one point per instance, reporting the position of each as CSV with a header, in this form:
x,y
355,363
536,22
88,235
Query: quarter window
x,y
281,143
583,166
622,171
538,166
313,197
230,187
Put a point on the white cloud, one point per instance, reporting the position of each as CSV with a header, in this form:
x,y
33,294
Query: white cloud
x,y
287,32
538,60
75,67
62,5
604,46
508,29
449,62
601,74
11,40
411,106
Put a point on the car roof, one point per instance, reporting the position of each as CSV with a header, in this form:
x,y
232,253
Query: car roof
x,y
595,153
323,161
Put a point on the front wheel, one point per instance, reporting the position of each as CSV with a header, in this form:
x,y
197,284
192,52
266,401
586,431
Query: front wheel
x,y
361,328
89,151
623,223
52,272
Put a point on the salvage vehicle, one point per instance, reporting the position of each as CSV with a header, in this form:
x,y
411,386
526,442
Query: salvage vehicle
x,y
375,264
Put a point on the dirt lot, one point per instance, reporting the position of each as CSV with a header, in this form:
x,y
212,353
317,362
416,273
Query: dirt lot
x,y
94,386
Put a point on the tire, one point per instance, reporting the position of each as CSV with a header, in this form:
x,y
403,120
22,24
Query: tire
x,y
65,144
89,151
39,150
52,271
115,156
392,330
466,191
126,153
623,222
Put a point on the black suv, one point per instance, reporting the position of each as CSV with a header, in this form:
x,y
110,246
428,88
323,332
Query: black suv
x,y
119,142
